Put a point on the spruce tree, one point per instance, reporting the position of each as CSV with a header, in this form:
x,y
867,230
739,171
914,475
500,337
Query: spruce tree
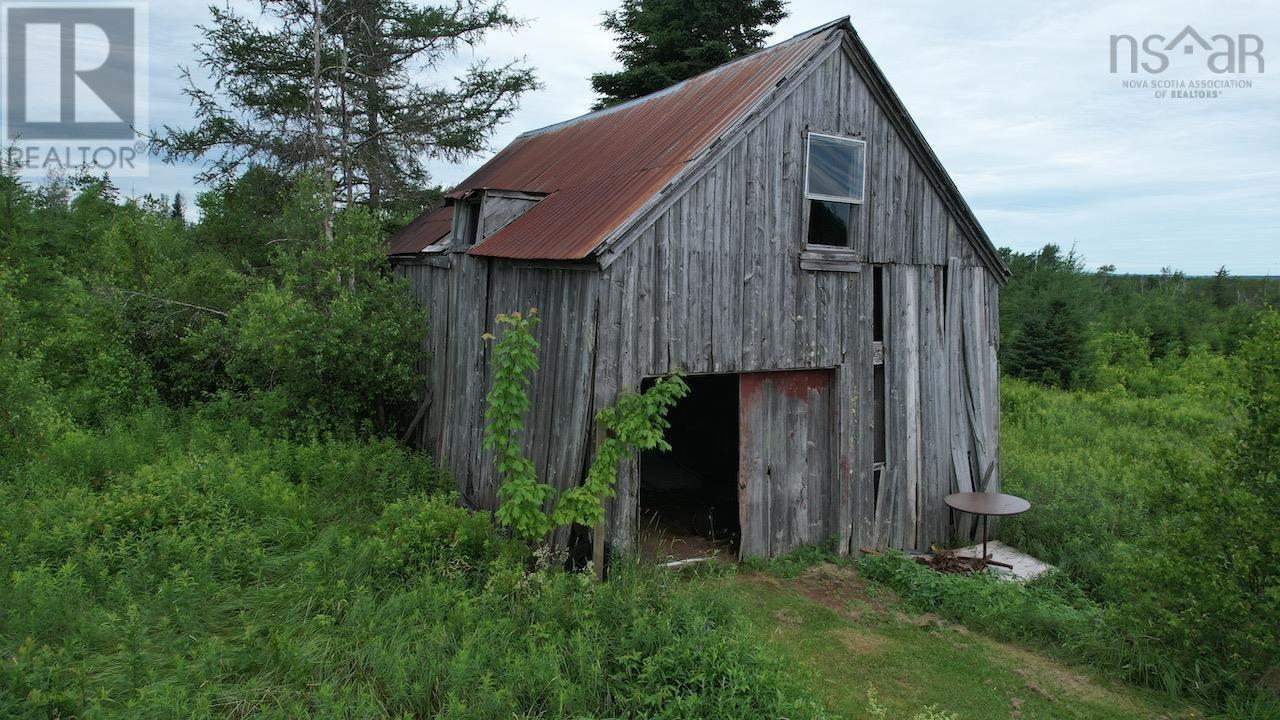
x,y
661,42
1049,348
348,89
1220,290
178,211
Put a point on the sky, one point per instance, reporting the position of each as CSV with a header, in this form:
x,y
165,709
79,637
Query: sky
x,y
1016,98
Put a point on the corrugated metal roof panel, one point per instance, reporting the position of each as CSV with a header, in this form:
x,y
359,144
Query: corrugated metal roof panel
x,y
601,168
426,229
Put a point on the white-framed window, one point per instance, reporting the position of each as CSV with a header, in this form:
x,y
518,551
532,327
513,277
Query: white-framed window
x,y
834,188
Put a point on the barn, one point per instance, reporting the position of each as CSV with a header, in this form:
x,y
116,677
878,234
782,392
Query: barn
x,y
778,229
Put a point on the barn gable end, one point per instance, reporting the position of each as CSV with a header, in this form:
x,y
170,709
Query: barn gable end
x,y
711,282
711,274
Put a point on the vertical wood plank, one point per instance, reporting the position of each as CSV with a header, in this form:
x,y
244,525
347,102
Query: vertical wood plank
x,y
712,284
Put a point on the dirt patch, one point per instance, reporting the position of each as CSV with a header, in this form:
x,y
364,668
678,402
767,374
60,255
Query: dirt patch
x,y
762,579
1056,682
1034,687
840,589
927,620
1271,681
859,642
1036,668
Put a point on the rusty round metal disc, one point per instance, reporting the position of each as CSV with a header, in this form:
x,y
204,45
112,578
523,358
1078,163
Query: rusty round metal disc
x,y
985,503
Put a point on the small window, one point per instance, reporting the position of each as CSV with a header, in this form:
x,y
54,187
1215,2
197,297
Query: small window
x,y
472,230
834,179
835,168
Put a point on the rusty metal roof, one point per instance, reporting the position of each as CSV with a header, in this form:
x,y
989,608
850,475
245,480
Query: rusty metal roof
x,y
599,169
425,230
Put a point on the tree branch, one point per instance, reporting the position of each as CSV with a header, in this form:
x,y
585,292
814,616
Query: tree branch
x,y
167,301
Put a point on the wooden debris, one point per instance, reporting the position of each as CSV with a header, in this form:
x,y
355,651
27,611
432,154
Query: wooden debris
x,y
947,561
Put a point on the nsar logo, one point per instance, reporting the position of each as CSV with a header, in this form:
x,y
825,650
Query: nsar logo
x,y
1222,54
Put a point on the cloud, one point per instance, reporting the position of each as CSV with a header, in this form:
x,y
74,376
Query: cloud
x,y
1016,98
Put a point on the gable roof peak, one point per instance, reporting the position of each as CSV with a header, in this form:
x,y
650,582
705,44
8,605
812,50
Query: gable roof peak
x,y
603,171
598,170
819,30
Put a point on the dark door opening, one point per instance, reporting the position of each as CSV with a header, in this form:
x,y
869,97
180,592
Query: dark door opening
x,y
689,496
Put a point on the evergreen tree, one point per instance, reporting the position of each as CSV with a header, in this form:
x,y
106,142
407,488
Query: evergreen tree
x,y
661,42
179,210
345,88
1041,278
15,208
1049,348
1219,289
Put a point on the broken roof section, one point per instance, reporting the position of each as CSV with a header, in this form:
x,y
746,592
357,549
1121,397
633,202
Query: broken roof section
x,y
425,230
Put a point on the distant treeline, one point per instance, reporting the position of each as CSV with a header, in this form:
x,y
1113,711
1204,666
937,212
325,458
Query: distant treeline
x,y
1058,320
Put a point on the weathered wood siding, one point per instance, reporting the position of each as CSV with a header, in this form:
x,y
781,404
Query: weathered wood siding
x,y
472,291
500,209
431,280
709,280
942,399
785,498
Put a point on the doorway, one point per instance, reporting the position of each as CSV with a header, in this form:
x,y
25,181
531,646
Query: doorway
x,y
689,495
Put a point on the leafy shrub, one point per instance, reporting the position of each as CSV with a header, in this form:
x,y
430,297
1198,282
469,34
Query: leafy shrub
x,y
1203,581
636,421
29,417
365,473
1117,358
333,338
431,534
1091,487
83,353
197,567
1151,500
1258,452
1122,364
243,217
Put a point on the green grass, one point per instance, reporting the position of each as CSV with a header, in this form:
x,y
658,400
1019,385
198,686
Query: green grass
x,y
850,636
1090,462
177,567
185,565
1162,545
